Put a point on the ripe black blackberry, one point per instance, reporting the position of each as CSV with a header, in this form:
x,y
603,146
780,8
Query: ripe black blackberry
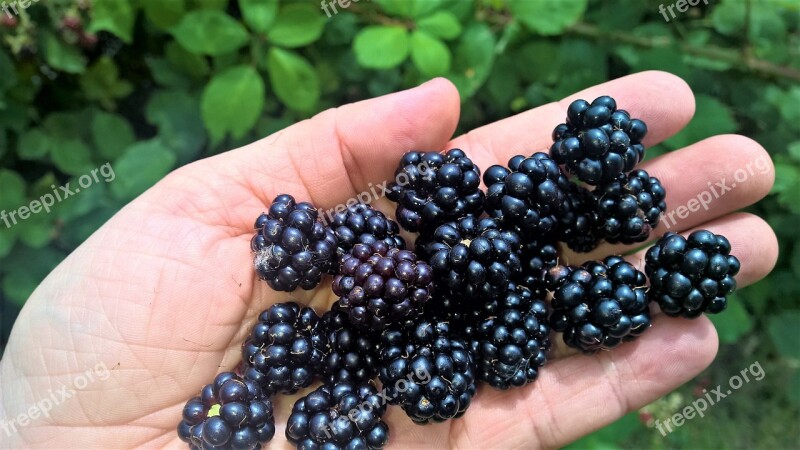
x,y
344,416
353,355
598,142
292,247
629,207
427,370
599,305
432,189
690,276
472,259
379,285
231,412
525,195
538,256
509,338
285,349
362,224
578,221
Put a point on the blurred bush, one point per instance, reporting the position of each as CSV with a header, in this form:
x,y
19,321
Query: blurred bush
x,y
149,85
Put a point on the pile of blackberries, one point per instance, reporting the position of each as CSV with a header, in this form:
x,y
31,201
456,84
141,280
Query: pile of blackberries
x,y
474,300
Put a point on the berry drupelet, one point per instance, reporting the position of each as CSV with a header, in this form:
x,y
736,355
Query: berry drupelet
x,y
599,305
598,142
285,349
343,416
362,224
690,276
292,247
525,195
578,219
472,259
379,285
629,207
231,412
353,355
427,370
432,189
509,338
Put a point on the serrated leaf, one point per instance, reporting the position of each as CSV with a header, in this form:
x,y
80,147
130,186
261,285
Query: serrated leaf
x,y
381,46
442,24
712,117
210,32
733,322
141,166
232,102
180,124
113,16
296,25
547,17
165,14
102,83
61,56
111,134
259,14
783,329
473,59
72,157
294,80
34,144
429,54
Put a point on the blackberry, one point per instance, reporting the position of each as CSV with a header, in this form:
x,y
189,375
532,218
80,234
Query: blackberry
x,y
344,416
538,256
379,285
472,258
525,195
292,248
231,412
362,224
285,349
599,305
629,207
510,338
432,189
427,370
578,221
689,276
353,355
598,142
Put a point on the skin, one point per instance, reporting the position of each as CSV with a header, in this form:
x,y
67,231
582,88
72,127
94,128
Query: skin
x,y
164,293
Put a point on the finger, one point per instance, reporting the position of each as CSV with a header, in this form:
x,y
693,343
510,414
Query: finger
x,y
708,179
580,394
664,101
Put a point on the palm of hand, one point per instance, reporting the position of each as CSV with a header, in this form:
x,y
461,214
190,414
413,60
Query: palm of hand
x,y
162,296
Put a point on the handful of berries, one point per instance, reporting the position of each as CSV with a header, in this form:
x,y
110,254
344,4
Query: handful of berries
x,y
474,300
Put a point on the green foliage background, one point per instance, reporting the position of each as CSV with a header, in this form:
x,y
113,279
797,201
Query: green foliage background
x,y
149,85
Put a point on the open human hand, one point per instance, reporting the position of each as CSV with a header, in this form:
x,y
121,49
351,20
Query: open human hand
x,y
133,323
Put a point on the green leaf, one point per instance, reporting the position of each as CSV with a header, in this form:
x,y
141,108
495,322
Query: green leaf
x,y
34,144
8,73
728,17
297,25
783,329
141,166
733,323
113,16
210,32
12,186
111,134
429,54
72,157
442,24
712,117
473,59
794,387
102,83
8,237
195,66
63,57
259,14
232,102
381,46
409,8
294,80
180,125
165,14
547,17
30,267
37,230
